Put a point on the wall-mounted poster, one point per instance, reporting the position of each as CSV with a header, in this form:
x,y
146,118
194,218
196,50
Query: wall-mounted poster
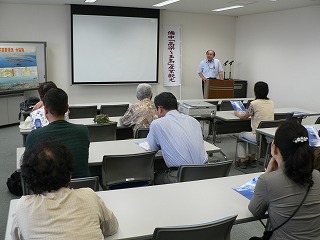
x,y
21,66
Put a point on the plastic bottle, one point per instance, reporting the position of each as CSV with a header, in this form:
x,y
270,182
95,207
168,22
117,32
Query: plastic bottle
x,y
37,122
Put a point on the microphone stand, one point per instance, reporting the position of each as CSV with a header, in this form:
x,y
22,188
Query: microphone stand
x,y
230,63
224,72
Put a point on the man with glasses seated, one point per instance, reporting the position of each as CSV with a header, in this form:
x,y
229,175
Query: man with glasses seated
x,y
179,137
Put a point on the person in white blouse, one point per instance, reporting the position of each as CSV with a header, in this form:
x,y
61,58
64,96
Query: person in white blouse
x,y
55,211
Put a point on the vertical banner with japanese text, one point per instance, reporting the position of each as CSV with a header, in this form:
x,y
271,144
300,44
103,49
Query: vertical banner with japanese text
x,y
172,55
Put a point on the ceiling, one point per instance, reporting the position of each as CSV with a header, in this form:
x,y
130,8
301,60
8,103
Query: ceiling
x,y
193,6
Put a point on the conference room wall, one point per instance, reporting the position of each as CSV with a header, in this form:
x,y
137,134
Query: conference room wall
x,y
51,23
281,48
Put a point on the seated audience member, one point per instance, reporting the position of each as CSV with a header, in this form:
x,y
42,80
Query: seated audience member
x,y
282,187
261,109
75,137
43,88
38,109
141,114
179,136
317,157
55,211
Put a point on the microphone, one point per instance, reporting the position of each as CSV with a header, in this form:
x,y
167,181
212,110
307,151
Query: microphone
x,y
230,63
226,63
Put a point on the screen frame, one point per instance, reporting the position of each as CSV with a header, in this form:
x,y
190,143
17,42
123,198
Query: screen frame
x,y
118,12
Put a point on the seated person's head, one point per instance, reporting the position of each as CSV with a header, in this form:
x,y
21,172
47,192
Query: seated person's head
x,y
261,90
46,167
45,87
291,138
165,101
56,101
144,90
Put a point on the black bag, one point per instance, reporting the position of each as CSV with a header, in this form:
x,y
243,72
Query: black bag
x,y
266,236
14,183
28,104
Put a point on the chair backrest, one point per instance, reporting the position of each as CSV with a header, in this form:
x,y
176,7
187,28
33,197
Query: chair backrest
x,y
297,119
225,105
262,146
102,132
204,171
82,111
283,116
90,182
270,124
213,102
248,103
25,188
217,230
141,133
317,121
114,110
126,169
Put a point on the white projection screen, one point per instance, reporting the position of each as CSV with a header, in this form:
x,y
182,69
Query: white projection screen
x,y
114,45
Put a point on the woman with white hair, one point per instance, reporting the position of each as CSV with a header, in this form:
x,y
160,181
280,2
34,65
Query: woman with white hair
x,y
142,113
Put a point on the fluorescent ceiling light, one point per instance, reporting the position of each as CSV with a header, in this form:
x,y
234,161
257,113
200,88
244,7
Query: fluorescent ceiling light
x,y
90,1
165,3
227,8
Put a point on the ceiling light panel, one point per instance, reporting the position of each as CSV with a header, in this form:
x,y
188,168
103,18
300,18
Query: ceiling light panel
x,y
165,3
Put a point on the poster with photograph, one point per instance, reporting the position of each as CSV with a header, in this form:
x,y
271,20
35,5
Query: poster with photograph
x,y
18,67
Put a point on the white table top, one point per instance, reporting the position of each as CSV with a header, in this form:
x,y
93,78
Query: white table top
x,y
140,210
214,99
297,112
229,115
89,121
118,147
83,121
270,132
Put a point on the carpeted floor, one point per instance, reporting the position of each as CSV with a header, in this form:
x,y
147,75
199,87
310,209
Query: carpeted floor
x,y
10,139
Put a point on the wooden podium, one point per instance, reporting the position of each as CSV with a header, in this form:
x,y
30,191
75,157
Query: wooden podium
x,y
215,88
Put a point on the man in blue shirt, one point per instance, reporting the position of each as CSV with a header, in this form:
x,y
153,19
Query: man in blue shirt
x,y
210,68
179,136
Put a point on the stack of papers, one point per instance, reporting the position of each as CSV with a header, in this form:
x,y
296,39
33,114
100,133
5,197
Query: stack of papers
x,y
144,144
314,139
238,106
247,189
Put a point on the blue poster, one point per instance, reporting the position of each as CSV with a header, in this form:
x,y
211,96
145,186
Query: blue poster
x,y
18,68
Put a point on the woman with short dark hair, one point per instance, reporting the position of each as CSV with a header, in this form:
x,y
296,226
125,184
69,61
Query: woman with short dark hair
x,y
55,211
282,187
261,109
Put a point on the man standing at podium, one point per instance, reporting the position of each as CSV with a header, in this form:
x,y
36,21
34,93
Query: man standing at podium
x,y
210,68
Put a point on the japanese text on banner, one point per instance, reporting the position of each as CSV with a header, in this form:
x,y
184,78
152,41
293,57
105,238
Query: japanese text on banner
x,y
171,56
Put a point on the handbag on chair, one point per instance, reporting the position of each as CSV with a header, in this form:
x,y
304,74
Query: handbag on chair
x,y
268,234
